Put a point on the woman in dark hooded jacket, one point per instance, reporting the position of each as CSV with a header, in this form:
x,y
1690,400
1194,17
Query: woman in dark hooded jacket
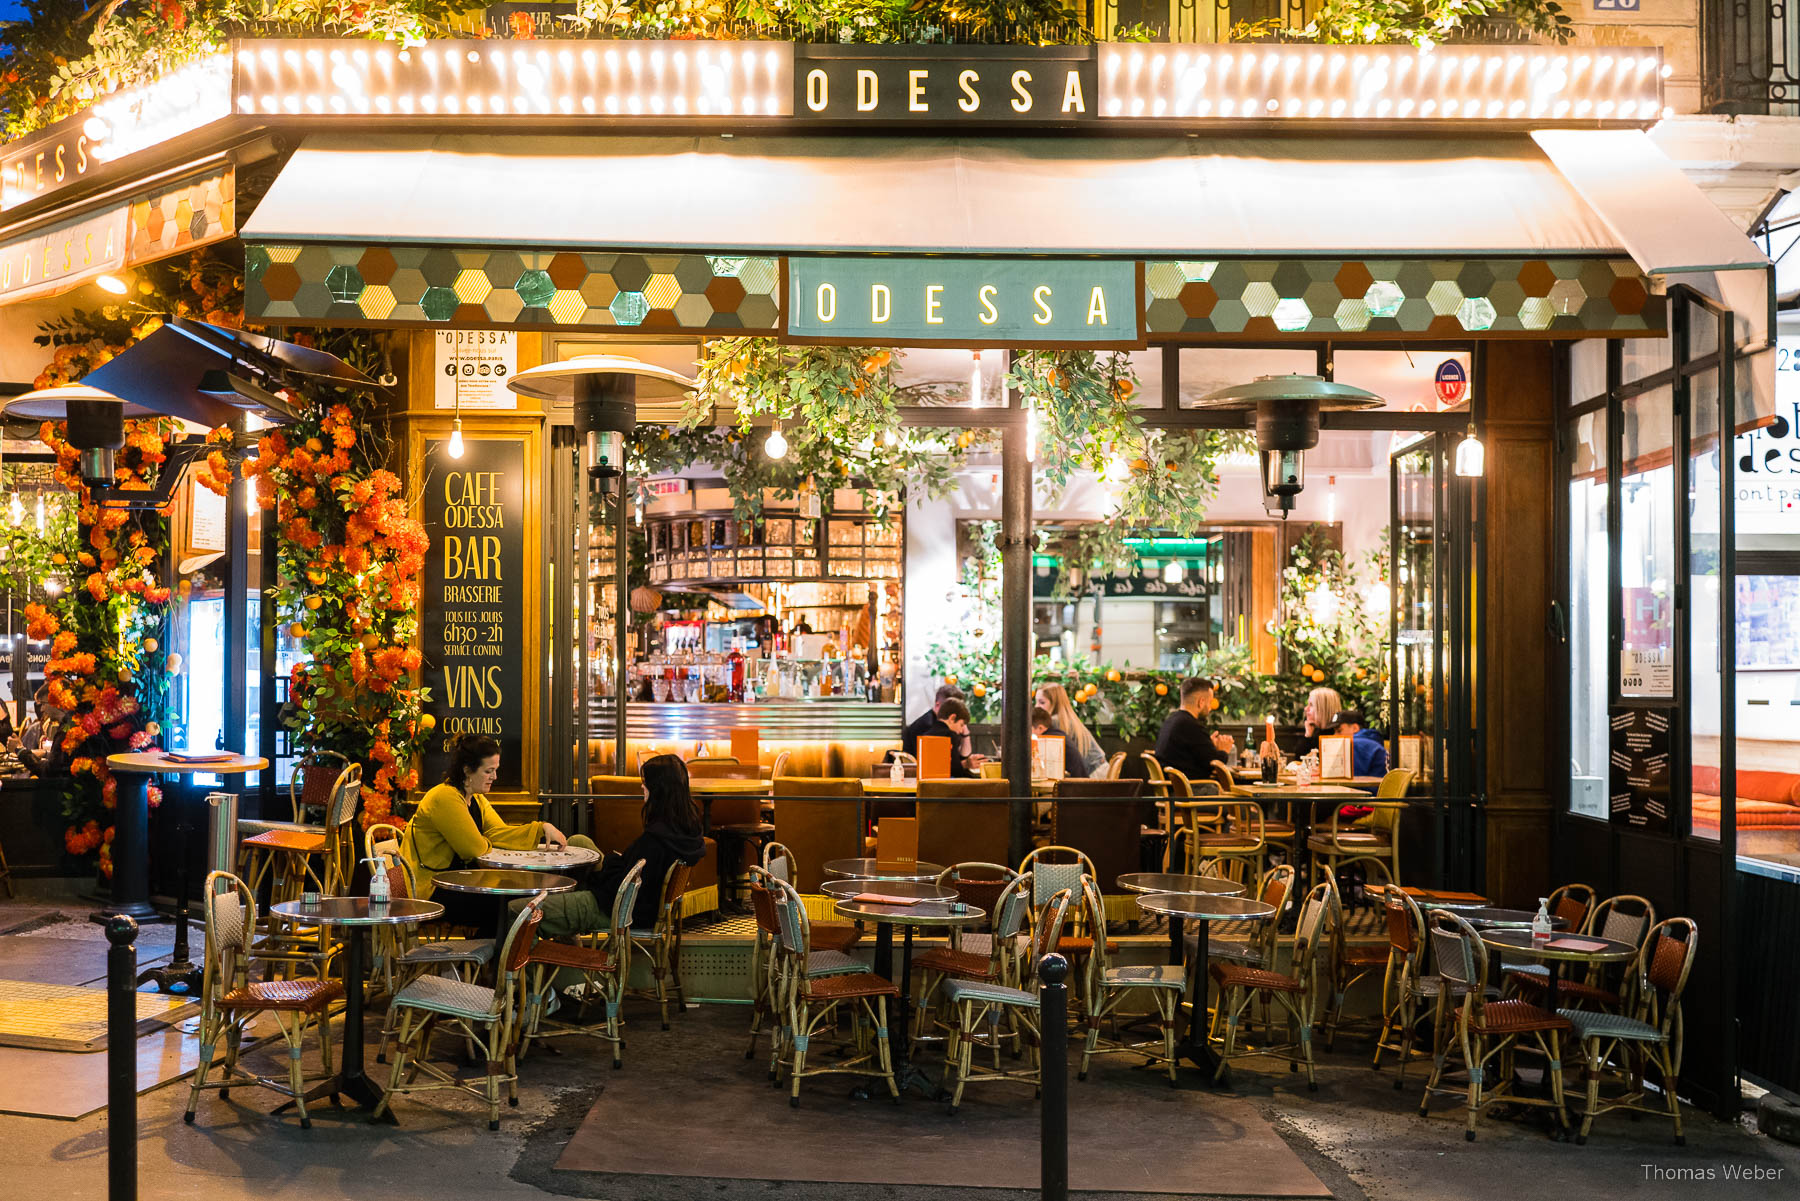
x,y
671,834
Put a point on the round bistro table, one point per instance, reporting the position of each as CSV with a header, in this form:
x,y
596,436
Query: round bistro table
x,y
357,915
501,882
1204,909
946,911
539,860
1485,918
850,888
1455,902
1176,882
1558,950
131,837
879,869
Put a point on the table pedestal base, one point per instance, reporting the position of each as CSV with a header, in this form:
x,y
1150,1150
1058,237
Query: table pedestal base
x,y
351,1081
1193,1048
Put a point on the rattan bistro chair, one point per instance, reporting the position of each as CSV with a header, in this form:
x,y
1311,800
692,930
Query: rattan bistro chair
x,y
1298,992
1107,987
992,955
1488,1032
1372,840
662,941
604,963
1651,1034
283,860
230,1001
978,1003
1256,945
781,863
813,1003
771,970
489,1017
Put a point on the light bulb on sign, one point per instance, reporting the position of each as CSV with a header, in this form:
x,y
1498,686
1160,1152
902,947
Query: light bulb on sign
x,y
111,283
456,439
775,446
1173,572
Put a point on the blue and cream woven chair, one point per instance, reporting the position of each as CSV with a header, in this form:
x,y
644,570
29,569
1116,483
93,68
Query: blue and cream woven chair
x,y
230,1001
1053,869
991,954
401,956
816,986
770,969
662,941
977,1003
1300,993
1650,1035
1107,987
492,1017
603,961
1488,1032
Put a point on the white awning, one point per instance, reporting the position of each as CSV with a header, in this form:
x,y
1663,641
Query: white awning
x,y
1665,222
1361,197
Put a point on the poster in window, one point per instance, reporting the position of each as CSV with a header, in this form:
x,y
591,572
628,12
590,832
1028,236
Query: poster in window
x,y
1640,768
473,612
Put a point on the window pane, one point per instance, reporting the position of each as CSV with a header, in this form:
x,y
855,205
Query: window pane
x,y
1208,370
1705,702
1587,370
1587,618
1768,720
1647,548
1408,382
1644,357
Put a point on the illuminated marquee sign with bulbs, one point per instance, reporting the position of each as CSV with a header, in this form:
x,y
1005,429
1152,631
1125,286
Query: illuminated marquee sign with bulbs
x,y
782,85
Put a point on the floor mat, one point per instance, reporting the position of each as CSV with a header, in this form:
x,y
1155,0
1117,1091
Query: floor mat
x,y
1131,1134
58,1017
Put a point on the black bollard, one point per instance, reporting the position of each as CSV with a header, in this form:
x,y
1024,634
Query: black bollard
x,y
1053,1137
121,1058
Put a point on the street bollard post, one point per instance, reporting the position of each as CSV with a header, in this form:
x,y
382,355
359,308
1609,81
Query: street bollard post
x,y
1053,1137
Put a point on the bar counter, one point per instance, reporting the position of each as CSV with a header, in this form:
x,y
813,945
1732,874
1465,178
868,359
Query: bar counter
x,y
828,719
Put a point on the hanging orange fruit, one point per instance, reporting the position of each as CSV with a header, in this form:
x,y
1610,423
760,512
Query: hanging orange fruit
x,y
1162,689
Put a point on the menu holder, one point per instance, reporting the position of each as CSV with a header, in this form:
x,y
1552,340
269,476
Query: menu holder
x,y
881,898
1047,757
934,757
1575,944
897,840
1335,759
746,746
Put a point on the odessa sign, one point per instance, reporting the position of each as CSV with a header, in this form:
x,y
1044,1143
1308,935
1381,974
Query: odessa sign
x,y
876,83
964,302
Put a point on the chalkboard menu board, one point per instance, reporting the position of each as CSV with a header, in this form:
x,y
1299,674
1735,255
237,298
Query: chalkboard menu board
x,y
472,623
1640,768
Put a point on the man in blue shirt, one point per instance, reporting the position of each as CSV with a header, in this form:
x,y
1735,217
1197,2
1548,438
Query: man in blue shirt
x,y
1368,757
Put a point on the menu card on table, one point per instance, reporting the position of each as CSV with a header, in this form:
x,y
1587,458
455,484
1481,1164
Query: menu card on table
x,y
1575,944
897,840
881,898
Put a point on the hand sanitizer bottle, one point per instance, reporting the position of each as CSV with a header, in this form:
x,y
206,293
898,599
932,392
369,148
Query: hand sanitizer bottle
x,y
896,772
379,893
1540,922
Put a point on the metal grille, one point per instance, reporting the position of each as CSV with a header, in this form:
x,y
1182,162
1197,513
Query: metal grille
x,y
1750,56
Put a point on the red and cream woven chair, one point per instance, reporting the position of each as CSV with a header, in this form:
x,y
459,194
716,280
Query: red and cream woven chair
x,y
492,1018
230,1001
1487,1032
814,1004
603,961
1620,1046
1298,993
974,1004
780,863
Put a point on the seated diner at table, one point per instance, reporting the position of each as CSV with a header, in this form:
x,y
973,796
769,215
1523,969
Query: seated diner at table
x,y
1184,743
456,824
671,833
953,723
1082,743
1044,726
909,736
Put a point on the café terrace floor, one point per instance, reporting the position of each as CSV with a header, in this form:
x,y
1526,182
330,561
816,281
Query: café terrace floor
x,y
687,1102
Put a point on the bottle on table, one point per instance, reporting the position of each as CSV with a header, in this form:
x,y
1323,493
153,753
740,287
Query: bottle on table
x,y
1540,922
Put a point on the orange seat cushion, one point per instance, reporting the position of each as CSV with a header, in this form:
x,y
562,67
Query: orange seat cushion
x,y
287,840
563,954
955,963
833,936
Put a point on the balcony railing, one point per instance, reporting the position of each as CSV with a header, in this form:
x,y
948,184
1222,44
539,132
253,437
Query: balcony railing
x,y
1750,57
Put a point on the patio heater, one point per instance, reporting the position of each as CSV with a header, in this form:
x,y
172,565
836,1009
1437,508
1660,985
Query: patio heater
x,y
602,391
1287,409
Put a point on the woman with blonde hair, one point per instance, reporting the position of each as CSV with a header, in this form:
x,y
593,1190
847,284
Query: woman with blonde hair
x,y
1055,698
1322,704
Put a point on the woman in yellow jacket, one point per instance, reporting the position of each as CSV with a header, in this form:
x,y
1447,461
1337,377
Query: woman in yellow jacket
x,y
455,824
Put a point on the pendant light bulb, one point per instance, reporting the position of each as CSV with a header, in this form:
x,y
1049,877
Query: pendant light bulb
x,y
16,510
456,439
40,512
1173,572
1471,456
776,446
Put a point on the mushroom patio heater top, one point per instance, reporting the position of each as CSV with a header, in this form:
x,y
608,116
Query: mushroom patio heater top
x,y
1287,409
605,390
